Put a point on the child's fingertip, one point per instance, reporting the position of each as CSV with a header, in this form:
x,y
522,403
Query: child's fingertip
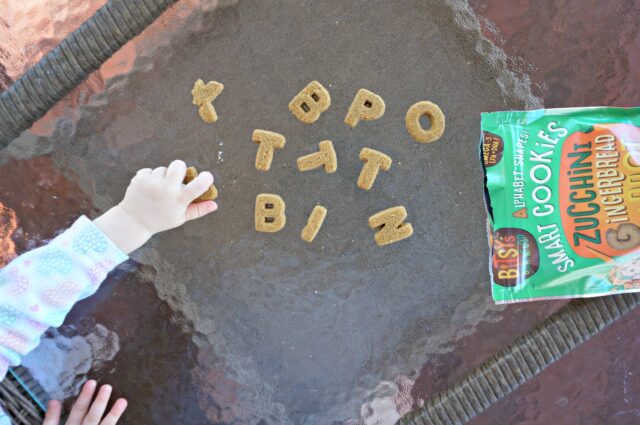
x,y
207,175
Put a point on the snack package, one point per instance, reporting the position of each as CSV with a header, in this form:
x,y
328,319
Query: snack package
x,y
562,189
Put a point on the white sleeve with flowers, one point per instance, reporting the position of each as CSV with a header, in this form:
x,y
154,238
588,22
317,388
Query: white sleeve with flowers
x,y
38,288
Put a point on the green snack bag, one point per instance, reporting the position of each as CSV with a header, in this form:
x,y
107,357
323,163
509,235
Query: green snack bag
x,y
562,189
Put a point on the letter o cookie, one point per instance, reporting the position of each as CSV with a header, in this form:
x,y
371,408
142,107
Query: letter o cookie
x,y
415,129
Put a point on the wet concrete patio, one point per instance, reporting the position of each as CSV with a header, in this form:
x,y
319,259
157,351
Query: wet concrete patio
x,y
215,323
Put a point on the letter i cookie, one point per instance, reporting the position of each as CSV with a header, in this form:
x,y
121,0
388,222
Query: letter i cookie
x,y
314,223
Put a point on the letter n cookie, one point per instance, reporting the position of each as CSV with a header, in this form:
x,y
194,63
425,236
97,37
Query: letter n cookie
x,y
366,106
313,100
314,223
374,161
203,97
270,213
268,142
326,156
390,225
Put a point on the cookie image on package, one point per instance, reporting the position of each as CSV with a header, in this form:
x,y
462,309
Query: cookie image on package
x,y
268,142
415,129
203,97
269,213
312,101
627,274
326,156
390,225
366,106
209,195
374,161
314,223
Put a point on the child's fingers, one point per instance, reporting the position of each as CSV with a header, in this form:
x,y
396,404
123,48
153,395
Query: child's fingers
x,y
53,413
159,172
176,171
116,411
81,406
200,209
199,185
143,171
98,407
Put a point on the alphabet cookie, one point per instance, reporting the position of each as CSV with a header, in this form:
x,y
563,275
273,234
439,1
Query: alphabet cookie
x,y
209,195
312,101
366,106
435,115
314,223
390,225
203,97
374,161
268,142
270,213
325,156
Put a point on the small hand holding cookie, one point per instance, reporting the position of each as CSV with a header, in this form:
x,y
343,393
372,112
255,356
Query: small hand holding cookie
x,y
156,200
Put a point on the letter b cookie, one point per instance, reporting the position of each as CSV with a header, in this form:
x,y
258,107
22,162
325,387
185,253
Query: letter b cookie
x,y
313,100
270,215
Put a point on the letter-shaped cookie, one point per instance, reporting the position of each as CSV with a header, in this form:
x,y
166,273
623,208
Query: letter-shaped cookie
x,y
203,96
374,161
314,223
390,225
313,100
435,115
270,215
268,142
325,156
209,195
366,106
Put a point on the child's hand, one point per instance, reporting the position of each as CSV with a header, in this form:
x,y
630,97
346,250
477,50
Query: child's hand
x,y
156,200
86,413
